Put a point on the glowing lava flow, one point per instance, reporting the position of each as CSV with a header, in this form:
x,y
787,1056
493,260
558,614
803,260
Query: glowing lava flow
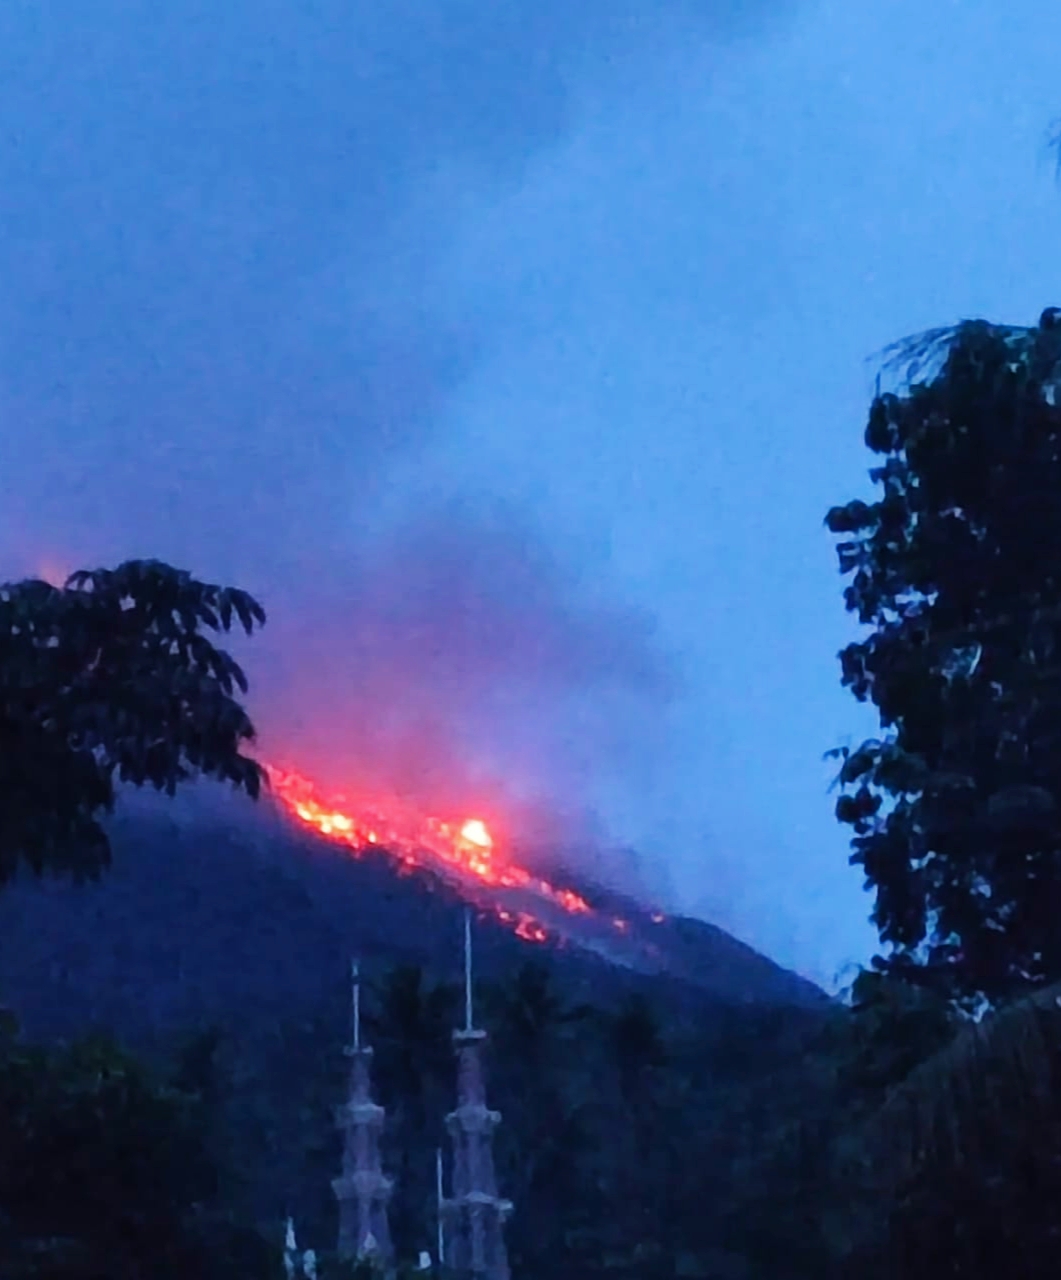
x,y
467,849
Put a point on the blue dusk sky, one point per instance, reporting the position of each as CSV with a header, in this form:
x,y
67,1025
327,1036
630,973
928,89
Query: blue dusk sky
x,y
512,353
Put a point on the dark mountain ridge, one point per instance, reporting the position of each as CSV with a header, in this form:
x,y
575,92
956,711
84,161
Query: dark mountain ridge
x,y
216,911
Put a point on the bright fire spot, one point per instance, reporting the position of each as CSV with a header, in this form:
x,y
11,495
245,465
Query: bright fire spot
x,y
467,847
529,928
475,832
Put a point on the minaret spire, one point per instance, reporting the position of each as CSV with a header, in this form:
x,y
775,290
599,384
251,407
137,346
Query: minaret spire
x,y
469,1024
355,976
362,1189
474,1216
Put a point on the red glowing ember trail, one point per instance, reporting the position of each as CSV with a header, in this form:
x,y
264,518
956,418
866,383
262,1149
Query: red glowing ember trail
x,y
466,849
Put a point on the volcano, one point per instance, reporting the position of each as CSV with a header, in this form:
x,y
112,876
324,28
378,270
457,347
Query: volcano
x,y
462,852
221,915
559,911
216,909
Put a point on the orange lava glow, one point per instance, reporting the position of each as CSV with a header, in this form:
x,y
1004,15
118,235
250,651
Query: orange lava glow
x,y
465,847
51,571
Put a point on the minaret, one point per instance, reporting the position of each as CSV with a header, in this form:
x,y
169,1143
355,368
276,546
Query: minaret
x,y
474,1216
362,1191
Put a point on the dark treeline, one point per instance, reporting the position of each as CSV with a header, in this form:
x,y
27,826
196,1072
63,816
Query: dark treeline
x,y
622,1142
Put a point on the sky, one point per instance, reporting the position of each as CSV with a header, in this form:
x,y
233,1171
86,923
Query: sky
x,y
511,354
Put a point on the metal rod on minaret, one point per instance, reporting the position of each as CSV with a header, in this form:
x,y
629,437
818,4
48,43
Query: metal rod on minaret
x,y
441,1243
467,969
355,975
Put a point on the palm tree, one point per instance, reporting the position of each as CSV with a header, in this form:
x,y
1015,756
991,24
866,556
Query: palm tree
x,y
958,1172
534,1078
410,1024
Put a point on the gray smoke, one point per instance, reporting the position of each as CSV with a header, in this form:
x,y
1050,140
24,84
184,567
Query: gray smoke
x,y
458,660
223,322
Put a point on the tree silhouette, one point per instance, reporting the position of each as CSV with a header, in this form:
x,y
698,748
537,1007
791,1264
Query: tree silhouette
x,y
106,1171
109,679
956,570
410,1021
542,1146
958,1168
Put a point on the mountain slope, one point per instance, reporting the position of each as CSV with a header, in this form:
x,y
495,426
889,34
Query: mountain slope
x,y
235,918
203,916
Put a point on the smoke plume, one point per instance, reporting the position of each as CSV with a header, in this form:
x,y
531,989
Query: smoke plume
x,y
457,660
224,321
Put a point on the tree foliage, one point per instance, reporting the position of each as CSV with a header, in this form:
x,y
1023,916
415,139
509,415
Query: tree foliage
x,y
958,1170
112,678
956,570
105,1171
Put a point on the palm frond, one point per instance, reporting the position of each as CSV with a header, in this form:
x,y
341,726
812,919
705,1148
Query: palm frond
x,y
920,357
997,1077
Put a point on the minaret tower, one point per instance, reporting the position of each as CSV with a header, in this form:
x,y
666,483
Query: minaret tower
x,y
362,1190
473,1217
